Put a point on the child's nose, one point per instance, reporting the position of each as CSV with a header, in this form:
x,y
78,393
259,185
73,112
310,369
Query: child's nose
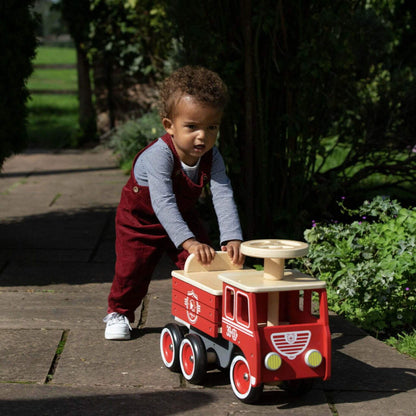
x,y
201,134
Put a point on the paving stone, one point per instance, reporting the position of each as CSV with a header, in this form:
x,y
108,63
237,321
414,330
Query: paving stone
x,y
370,365
53,400
44,255
30,351
51,309
53,273
359,403
59,181
89,359
66,230
339,325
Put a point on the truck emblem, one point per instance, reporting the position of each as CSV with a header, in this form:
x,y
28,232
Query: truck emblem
x,y
192,306
291,344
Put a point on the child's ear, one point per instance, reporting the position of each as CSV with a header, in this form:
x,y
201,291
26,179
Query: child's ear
x,y
168,125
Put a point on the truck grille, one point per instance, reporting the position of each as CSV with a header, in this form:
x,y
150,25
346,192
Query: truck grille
x,y
291,344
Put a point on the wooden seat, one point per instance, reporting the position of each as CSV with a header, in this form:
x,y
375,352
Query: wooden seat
x,y
205,277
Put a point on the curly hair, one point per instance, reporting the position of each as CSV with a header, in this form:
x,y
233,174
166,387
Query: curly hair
x,y
203,85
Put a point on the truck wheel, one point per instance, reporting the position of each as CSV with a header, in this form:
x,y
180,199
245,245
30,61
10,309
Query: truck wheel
x,y
240,378
170,341
193,359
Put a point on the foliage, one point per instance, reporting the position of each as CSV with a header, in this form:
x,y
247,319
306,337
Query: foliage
x,y
78,16
404,343
17,49
135,34
129,138
368,264
300,72
50,19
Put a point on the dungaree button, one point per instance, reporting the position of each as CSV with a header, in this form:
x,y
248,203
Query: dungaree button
x,y
135,189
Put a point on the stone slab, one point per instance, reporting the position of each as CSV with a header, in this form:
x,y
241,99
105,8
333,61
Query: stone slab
x,y
44,255
375,403
52,400
31,274
64,230
68,306
50,309
64,180
26,355
88,359
366,364
339,325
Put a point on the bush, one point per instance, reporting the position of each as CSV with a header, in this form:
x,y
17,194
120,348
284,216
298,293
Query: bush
x,y
134,135
17,49
369,264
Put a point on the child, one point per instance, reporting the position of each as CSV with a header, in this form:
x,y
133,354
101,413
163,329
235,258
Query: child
x,y
157,211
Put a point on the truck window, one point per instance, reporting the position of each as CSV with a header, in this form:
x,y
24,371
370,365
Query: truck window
x,y
229,302
243,316
301,299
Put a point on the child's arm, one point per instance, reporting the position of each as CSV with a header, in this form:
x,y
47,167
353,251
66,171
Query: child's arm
x,y
154,170
203,252
226,210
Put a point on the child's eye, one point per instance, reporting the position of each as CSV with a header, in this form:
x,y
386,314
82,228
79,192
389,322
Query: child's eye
x,y
213,127
190,126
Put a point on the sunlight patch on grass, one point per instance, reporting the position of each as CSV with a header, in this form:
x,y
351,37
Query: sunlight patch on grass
x,y
53,79
50,55
52,120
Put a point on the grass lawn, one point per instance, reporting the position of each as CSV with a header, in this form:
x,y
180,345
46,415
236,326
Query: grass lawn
x,y
49,55
52,121
53,118
53,79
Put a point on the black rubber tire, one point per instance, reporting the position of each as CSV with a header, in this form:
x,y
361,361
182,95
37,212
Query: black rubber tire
x,y
170,342
193,359
240,378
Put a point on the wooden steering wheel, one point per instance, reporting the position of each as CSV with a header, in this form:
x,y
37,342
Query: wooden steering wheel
x,y
274,252
280,249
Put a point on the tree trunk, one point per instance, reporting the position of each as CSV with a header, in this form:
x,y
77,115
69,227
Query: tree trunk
x,y
86,108
249,120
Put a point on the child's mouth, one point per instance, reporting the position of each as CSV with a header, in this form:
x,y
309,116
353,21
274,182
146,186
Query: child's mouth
x,y
199,147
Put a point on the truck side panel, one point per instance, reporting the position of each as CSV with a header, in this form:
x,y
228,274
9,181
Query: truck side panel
x,y
196,306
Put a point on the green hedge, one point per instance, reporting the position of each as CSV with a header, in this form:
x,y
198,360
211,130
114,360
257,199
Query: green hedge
x,y
17,49
369,264
132,136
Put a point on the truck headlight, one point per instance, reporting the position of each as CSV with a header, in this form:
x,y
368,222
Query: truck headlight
x,y
313,358
272,361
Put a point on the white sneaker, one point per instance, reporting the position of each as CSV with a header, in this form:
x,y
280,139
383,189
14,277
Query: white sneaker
x,y
118,326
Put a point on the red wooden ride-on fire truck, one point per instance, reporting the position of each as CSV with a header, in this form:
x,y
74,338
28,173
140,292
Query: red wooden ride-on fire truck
x,y
267,327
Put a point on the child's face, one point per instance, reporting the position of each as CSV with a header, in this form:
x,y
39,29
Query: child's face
x,y
194,128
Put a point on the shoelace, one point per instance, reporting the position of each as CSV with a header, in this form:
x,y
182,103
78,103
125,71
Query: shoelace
x,y
115,316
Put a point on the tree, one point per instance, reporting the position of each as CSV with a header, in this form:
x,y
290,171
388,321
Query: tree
x,y
17,49
130,43
78,16
322,97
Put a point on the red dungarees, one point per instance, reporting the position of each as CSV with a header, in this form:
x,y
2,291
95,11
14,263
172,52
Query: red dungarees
x,y
141,239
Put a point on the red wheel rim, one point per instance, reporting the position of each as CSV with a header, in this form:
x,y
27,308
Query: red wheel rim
x,y
188,359
167,345
241,376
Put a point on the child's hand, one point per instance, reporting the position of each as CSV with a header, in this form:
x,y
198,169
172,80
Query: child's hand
x,y
203,252
234,252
